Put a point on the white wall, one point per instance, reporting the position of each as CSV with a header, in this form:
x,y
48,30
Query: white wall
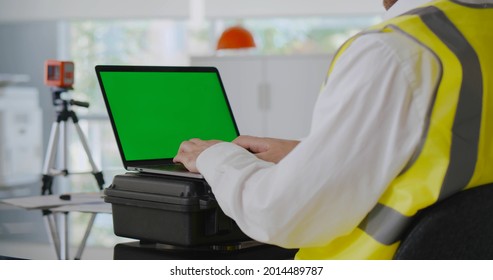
x,y
22,10
268,8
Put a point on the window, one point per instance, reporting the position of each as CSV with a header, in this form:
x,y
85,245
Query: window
x,y
286,36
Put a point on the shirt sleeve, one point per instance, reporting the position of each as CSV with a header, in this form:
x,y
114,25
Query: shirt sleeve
x,y
367,122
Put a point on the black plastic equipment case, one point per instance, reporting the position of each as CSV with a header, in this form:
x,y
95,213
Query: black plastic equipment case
x,y
249,250
169,210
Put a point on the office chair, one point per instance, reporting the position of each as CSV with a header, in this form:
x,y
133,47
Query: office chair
x,y
459,227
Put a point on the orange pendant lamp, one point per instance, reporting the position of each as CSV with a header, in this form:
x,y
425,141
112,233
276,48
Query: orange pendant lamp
x,y
235,37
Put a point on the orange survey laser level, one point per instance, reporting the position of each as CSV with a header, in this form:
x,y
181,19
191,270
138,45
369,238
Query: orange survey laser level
x,y
59,73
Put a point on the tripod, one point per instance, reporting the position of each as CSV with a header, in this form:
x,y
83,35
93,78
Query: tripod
x,y
59,134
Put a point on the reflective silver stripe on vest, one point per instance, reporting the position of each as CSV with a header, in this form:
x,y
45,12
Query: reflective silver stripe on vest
x,y
385,224
467,122
475,3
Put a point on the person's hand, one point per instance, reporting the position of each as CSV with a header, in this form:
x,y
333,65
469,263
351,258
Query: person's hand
x,y
268,149
190,150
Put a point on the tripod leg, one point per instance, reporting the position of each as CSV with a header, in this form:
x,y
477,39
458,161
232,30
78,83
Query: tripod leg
x,y
47,182
97,173
51,228
64,238
82,245
50,153
50,159
64,145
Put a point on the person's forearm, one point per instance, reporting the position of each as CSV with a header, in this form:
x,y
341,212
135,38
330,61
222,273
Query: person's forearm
x,y
271,202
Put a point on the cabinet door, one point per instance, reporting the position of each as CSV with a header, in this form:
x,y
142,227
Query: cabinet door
x,y
20,146
241,77
271,96
294,85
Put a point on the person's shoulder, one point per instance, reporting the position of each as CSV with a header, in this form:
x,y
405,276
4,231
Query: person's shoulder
x,y
396,44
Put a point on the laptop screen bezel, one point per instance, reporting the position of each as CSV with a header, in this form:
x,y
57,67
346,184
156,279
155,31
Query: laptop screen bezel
x,y
135,68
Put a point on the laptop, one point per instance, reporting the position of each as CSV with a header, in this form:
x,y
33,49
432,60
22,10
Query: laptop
x,y
153,109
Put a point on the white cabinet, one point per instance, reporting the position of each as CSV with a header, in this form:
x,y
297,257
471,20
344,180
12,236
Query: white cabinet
x,y
20,136
271,96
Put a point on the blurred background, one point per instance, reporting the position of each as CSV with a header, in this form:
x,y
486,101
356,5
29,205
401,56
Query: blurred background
x,y
272,83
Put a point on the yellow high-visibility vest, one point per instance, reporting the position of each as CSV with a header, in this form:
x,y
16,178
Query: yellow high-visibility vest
x,y
456,152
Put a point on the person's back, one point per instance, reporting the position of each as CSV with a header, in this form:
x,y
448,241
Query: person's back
x,y
404,119
455,154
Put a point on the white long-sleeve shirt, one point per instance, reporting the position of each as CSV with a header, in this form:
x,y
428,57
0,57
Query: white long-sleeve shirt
x,y
367,123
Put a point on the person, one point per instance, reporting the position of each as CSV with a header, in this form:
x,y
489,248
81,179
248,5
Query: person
x,y
403,120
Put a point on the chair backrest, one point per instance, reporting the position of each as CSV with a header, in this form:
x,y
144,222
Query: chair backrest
x,y
459,227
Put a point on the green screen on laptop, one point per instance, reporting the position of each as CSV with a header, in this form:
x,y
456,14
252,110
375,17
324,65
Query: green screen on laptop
x,y
154,111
